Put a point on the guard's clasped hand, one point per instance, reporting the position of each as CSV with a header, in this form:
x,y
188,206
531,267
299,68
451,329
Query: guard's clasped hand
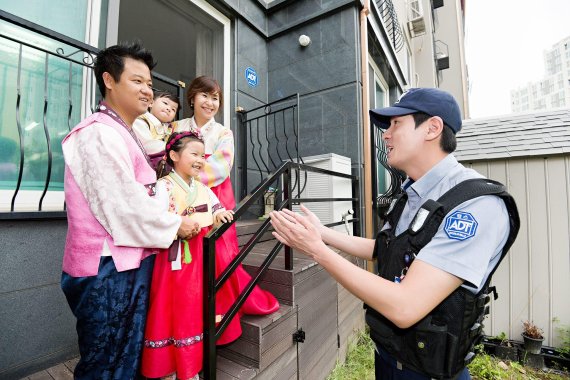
x,y
296,231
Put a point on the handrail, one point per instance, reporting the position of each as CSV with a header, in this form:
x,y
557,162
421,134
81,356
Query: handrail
x,y
211,285
268,134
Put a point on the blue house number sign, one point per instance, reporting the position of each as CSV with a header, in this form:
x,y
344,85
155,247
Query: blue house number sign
x,y
251,76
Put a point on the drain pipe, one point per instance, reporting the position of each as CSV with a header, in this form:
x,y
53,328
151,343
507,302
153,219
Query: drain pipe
x,y
366,139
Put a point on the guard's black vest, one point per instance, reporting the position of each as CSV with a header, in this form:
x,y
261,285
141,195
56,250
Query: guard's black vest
x,y
441,344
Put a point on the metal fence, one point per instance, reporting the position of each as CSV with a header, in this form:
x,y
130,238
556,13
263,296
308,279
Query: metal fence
x,y
54,81
268,135
386,180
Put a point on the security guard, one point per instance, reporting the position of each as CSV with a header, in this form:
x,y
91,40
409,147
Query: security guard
x,y
444,237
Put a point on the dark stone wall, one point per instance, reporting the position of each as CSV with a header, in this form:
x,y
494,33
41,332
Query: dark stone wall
x,y
37,329
326,74
250,51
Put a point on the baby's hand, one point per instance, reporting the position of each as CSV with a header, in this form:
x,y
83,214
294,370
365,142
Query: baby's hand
x,y
224,216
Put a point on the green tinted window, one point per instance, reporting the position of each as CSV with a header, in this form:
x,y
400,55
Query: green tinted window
x,y
40,96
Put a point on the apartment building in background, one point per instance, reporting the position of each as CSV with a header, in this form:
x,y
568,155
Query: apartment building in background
x,y
553,91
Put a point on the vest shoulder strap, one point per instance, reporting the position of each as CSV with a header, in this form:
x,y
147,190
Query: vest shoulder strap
x,y
469,189
474,188
430,215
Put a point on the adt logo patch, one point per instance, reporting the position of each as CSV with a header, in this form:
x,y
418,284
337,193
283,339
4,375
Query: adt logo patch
x,y
460,225
251,76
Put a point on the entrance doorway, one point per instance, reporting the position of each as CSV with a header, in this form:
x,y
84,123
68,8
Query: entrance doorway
x,y
188,38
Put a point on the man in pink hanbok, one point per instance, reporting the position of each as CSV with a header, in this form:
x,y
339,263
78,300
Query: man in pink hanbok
x,y
113,221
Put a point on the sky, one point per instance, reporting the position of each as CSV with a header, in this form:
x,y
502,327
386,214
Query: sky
x,y
504,45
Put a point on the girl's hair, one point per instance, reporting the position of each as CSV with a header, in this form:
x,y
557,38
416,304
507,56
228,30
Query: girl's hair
x,y
168,95
176,142
203,84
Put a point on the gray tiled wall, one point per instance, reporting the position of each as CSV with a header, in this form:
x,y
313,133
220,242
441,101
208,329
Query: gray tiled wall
x,y
326,74
299,11
37,329
251,51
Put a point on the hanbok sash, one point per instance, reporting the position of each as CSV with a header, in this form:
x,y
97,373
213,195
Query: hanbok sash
x,y
192,201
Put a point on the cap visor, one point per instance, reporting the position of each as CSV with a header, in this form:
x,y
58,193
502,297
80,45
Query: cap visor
x,y
381,116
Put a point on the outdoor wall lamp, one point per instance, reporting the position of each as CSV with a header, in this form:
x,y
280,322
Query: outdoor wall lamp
x,y
304,40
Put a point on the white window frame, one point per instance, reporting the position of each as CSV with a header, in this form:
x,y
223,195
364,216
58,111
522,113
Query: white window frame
x,y
379,79
28,200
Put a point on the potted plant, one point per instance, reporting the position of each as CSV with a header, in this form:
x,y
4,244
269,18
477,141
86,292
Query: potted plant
x,y
532,337
532,344
505,349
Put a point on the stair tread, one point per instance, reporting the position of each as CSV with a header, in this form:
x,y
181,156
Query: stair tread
x,y
245,227
263,321
262,248
263,339
227,369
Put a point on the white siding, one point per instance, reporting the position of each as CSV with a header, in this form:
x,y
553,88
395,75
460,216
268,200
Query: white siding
x,y
533,280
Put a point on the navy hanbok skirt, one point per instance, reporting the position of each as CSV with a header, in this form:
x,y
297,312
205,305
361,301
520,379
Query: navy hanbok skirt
x,y
111,310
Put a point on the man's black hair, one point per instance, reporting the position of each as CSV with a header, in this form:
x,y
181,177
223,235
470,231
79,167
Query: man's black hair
x,y
448,141
112,60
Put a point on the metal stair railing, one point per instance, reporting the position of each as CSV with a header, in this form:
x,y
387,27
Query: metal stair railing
x,y
267,136
212,284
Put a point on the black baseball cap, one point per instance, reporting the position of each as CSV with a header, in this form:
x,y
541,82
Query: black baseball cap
x,y
431,101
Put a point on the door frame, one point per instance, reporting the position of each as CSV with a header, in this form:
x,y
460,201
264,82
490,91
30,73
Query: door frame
x,y
113,35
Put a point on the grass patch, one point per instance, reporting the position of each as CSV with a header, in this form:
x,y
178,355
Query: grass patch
x,y
487,367
359,364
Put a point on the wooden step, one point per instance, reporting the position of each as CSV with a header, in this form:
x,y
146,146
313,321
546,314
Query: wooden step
x,y
227,369
245,230
278,280
246,227
267,341
264,338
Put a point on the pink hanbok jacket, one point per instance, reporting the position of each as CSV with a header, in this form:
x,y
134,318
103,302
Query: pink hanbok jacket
x,y
85,235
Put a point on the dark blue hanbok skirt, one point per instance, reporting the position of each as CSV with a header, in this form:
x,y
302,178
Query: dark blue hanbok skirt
x,y
111,310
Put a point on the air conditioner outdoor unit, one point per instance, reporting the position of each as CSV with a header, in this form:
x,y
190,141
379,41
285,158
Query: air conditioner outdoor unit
x,y
416,21
318,185
437,4
442,61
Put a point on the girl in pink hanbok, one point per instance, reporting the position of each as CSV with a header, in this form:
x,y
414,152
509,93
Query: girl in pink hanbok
x,y
173,334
